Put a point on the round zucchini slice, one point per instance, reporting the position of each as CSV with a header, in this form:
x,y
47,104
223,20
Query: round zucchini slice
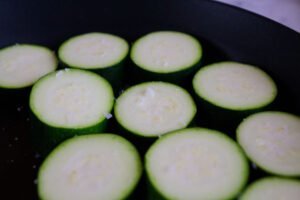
x,y
70,102
102,53
93,51
154,108
163,53
234,86
90,167
196,163
271,140
21,65
272,188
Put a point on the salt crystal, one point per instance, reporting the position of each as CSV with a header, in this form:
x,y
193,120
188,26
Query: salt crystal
x,y
19,108
108,116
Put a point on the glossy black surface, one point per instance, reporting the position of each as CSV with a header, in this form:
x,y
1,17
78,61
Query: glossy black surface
x,y
240,35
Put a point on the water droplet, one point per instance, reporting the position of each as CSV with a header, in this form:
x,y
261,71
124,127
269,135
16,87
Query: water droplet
x,y
16,138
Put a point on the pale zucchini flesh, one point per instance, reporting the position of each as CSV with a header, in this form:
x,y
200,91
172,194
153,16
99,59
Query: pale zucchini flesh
x,y
272,188
196,163
72,98
93,51
21,65
154,108
271,140
166,52
234,86
90,167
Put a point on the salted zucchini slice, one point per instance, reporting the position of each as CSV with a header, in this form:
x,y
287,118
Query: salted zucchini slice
x,y
166,55
69,102
90,167
271,140
272,188
21,65
152,109
234,86
102,53
196,163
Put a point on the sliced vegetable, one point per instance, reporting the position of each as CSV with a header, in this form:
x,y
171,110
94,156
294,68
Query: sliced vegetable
x,y
21,65
101,52
166,55
229,91
90,167
234,86
271,140
154,108
196,163
69,102
272,188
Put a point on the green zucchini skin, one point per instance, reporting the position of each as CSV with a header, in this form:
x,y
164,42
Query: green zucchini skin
x,y
181,77
45,137
227,117
113,74
153,193
142,143
112,71
159,45
222,119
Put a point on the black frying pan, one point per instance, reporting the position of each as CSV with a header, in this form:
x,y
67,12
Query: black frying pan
x,y
228,33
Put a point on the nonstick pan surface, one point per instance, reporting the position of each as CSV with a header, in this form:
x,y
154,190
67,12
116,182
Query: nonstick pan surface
x,y
228,33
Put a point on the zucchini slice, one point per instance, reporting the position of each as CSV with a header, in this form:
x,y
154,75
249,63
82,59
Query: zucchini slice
x,y
21,65
151,109
93,51
196,163
234,86
90,167
166,53
102,53
272,188
70,102
271,140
